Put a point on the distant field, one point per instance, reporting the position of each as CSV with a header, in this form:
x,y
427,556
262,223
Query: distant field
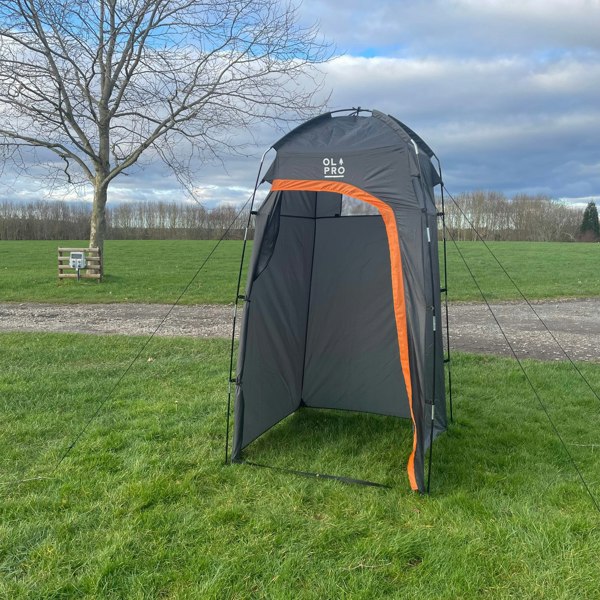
x,y
540,269
158,271
136,271
144,508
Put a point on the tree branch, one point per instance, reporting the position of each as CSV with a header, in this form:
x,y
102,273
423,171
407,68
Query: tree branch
x,y
59,149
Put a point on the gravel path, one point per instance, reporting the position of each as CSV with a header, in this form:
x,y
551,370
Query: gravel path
x,y
206,320
574,323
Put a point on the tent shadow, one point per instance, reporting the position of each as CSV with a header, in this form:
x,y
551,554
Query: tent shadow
x,y
376,448
350,444
486,452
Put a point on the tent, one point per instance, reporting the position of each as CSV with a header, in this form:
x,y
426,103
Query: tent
x,y
343,311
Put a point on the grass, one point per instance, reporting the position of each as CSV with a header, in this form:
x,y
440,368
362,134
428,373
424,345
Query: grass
x,y
144,508
540,269
158,271
136,271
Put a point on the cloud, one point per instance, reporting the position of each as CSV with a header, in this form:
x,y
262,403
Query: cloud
x,y
458,27
498,124
505,92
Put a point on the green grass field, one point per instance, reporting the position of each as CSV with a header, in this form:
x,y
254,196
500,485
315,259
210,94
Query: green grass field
x,y
158,271
136,271
143,507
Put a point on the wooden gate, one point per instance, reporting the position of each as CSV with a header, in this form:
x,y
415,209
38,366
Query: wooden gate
x,y
92,270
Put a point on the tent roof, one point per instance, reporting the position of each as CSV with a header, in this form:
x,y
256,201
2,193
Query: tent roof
x,y
350,132
369,150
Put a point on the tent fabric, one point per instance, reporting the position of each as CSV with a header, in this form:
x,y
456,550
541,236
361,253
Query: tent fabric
x,y
344,312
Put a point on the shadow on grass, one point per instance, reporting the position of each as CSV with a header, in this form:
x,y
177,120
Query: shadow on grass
x,y
482,449
500,444
337,443
507,447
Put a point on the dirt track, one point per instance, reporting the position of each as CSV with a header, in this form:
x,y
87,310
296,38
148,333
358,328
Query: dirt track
x,y
574,323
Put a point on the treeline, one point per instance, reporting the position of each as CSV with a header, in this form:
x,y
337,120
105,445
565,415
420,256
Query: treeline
x,y
522,218
59,220
171,220
496,217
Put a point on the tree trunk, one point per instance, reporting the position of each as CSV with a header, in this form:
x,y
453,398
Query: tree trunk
x,y
102,168
98,221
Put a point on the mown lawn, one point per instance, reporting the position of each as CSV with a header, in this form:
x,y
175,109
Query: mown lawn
x,y
158,271
540,269
143,507
136,271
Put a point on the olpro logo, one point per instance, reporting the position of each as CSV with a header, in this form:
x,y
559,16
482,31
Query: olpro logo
x,y
333,169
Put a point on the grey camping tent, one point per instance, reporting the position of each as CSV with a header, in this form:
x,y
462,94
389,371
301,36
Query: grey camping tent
x,y
343,312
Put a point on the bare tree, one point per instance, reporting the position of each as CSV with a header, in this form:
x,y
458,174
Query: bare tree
x,y
105,84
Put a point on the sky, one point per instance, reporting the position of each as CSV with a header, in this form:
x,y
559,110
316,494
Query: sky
x,y
506,93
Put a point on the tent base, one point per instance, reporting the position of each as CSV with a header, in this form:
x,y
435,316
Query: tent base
x,y
340,478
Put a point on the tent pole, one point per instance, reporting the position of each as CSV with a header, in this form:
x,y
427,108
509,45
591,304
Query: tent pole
x,y
434,326
443,215
235,305
430,447
434,319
